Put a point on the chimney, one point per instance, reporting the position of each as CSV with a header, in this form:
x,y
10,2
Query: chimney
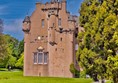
x,y
64,5
63,0
38,5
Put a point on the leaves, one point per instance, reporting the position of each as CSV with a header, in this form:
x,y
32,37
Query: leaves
x,y
98,45
20,61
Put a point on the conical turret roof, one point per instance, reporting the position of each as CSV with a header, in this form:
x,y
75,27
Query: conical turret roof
x,y
27,19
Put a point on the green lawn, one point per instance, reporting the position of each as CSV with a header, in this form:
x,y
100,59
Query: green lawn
x,y
17,77
109,82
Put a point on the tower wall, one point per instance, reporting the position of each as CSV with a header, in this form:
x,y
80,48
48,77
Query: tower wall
x,y
47,36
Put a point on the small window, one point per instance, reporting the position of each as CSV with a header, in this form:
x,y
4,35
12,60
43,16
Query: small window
x,y
61,39
42,37
45,58
40,58
56,49
35,58
43,23
53,25
59,22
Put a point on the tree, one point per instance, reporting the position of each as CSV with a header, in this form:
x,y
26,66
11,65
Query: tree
x,y
19,49
2,42
20,61
98,44
74,71
11,62
2,47
11,45
13,50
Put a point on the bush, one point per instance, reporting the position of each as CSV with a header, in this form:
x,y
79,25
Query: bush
x,y
11,62
82,74
19,63
74,71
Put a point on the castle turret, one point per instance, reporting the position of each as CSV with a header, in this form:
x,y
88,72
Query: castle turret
x,y
52,27
26,29
26,24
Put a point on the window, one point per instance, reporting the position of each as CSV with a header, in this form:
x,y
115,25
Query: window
x,y
40,58
59,22
60,39
45,58
53,25
35,58
56,49
42,22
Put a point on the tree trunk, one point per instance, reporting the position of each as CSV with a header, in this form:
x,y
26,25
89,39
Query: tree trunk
x,y
115,79
102,79
95,77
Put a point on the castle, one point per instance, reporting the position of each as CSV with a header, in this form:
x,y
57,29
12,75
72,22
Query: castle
x,y
50,40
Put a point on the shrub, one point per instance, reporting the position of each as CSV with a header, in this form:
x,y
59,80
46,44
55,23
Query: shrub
x,y
74,71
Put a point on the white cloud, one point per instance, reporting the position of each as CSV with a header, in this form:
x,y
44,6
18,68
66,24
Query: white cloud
x,y
14,28
13,25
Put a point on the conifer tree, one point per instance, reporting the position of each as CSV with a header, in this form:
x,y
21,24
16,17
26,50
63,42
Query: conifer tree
x,y
98,44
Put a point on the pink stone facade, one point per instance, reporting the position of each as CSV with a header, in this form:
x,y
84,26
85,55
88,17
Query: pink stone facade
x,y
50,40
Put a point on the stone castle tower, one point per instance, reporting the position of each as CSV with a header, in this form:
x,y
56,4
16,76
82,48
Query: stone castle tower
x,y
50,40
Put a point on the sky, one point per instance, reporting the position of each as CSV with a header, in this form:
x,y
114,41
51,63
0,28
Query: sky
x,y
12,12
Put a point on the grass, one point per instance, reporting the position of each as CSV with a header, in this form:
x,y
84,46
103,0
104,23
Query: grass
x,y
3,69
109,82
17,77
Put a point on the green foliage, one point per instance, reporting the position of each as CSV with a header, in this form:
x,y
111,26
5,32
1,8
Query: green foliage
x,y
20,61
74,71
98,45
12,51
82,74
2,47
11,44
19,49
11,62
112,65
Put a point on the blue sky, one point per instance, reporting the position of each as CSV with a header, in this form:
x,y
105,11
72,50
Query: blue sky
x,y
12,12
